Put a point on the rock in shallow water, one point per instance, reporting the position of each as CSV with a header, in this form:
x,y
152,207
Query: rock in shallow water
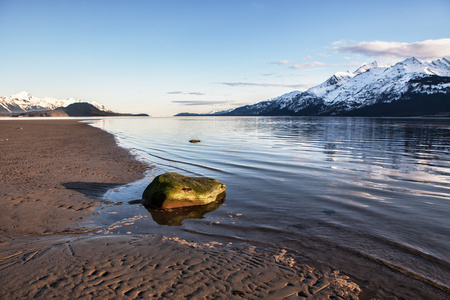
x,y
176,216
172,190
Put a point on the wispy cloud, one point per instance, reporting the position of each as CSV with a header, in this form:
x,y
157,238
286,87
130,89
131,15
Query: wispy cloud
x,y
324,54
199,102
296,86
337,43
308,65
424,49
185,93
290,75
283,62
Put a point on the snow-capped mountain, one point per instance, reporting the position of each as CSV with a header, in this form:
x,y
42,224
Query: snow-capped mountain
x,y
409,87
24,102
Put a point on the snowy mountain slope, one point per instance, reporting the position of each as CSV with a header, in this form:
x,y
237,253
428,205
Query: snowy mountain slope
x,y
25,102
345,93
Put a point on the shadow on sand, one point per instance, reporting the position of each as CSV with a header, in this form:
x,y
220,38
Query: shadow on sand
x,y
94,190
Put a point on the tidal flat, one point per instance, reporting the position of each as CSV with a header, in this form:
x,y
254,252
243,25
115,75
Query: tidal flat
x,y
53,177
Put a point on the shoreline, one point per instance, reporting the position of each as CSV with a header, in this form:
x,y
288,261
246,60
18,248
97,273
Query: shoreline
x,y
53,176
54,173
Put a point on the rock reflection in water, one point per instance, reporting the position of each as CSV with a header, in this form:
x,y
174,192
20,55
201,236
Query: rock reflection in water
x,y
176,216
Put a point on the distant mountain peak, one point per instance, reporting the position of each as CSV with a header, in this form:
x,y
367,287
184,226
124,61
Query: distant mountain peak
x,y
411,60
23,102
441,63
21,95
445,61
409,87
366,67
339,77
411,64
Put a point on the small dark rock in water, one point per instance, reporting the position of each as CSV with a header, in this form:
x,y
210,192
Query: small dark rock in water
x,y
194,141
328,211
172,190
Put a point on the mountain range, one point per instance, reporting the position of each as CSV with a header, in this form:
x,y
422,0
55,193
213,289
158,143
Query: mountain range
x,y
408,88
25,105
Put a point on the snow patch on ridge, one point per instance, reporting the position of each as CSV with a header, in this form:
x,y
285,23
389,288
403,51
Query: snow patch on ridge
x,y
365,85
286,97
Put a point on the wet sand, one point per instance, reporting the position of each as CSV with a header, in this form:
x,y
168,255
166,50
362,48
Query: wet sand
x,y
52,177
143,267
54,172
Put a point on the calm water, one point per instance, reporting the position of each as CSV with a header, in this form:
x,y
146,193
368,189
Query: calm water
x,y
319,187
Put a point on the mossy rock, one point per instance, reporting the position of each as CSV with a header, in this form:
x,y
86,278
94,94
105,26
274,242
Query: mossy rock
x,y
172,190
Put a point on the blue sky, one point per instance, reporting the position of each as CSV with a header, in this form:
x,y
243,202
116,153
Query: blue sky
x,y
166,57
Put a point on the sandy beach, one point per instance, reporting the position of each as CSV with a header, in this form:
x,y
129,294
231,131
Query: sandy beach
x,y
53,174
52,177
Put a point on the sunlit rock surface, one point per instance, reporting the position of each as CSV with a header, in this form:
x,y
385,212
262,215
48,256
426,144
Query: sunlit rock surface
x,y
172,190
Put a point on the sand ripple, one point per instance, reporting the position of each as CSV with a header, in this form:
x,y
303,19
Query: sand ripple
x,y
134,267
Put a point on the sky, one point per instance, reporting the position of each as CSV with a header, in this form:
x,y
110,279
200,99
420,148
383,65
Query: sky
x,y
167,57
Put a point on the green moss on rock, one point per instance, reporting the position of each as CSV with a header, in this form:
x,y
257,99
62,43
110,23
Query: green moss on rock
x,y
172,190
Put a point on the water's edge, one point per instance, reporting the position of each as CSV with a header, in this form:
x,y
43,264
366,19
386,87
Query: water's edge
x,y
311,235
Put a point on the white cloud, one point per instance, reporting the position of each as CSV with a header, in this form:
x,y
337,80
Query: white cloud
x,y
295,86
325,54
424,49
185,93
308,65
199,102
336,43
283,62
